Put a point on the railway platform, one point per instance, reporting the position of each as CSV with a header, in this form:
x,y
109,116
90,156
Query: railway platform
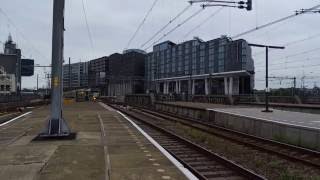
x,y
296,128
286,117
107,146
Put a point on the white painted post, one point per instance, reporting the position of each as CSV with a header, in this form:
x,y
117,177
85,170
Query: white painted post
x,y
226,90
231,86
177,87
206,86
193,87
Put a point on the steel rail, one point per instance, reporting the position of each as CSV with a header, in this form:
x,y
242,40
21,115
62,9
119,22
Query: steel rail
x,y
237,169
246,139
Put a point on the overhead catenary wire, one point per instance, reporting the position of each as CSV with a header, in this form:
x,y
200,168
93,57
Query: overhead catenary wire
x,y
297,54
203,22
288,61
87,25
294,42
273,22
142,23
292,67
175,28
165,26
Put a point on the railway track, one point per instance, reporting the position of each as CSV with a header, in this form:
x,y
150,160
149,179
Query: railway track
x,y
286,151
200,161
4,117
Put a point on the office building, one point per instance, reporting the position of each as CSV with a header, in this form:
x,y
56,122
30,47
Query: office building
x,y
75,75
126,73
218,67
97,75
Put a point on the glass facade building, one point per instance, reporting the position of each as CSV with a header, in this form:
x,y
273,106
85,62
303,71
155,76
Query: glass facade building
x,y
197,66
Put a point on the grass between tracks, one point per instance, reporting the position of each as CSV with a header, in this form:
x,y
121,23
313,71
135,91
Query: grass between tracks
x,y
272,167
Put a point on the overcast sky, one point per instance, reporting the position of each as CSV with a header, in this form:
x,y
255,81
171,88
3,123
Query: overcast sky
x,y
112,24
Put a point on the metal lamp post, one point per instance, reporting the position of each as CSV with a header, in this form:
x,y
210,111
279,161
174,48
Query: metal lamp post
x,y
267,72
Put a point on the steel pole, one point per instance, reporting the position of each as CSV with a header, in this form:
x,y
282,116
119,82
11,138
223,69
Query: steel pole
x,y
267,81
37,82
56,126
69,73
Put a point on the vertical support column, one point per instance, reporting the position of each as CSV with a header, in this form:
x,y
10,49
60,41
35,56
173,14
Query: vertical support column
x,y
226,89
177,87
190,87
157,87
57,127
165,88
206,86
231,86
267,81
193,87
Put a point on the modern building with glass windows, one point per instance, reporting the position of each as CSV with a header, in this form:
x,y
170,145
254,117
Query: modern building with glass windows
x,y
76,75
218,67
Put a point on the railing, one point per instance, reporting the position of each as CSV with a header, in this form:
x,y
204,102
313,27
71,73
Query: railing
x,y
311,100
279,99
12,106
138,99
216,99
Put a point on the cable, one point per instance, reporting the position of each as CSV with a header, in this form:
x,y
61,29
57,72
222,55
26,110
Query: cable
x,y
87,25
165,26
297,54
274,22
142,22
294,42
203,22
20,32
292,67
290,61
175,28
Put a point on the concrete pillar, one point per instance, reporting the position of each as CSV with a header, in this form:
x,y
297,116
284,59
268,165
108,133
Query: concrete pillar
x,y
193,86
231,86
226,89
177,87
206,86
158,87
165,88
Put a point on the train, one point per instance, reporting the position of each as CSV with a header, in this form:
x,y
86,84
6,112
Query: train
x,y
81,95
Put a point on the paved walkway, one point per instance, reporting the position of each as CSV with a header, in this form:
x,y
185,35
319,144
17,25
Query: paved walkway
x,y
106,147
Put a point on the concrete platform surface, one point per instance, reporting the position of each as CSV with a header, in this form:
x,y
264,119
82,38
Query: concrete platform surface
x,y
285,117
106,147
200,105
